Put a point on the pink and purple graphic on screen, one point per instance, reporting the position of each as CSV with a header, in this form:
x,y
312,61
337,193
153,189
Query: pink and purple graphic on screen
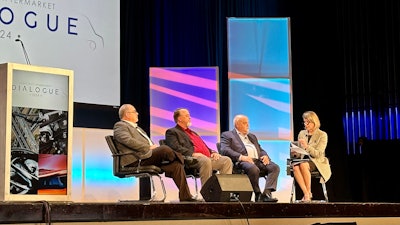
x,y
194,88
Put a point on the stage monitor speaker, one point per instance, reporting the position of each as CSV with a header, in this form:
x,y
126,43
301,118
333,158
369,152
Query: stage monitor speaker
x,y
227,188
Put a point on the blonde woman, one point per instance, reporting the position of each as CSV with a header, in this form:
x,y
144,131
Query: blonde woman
x,y
314,141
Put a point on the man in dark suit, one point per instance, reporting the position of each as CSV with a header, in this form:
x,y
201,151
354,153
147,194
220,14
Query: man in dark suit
x,y
187,142
129,137
244,150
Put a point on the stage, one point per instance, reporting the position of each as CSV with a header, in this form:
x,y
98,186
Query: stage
x,y
199,213
96,192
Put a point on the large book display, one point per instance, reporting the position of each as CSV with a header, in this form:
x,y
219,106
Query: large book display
x,y
36,119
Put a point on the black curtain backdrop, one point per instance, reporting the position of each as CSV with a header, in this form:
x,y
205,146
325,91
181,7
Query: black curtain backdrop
x,y
340,49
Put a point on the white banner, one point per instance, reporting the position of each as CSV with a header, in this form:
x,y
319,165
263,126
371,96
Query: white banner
x,y
83,36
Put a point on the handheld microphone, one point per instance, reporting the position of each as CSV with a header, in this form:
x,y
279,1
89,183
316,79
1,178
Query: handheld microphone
x,y
23,50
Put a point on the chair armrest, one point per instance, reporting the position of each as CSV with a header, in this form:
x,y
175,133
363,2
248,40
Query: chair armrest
x,y
130,153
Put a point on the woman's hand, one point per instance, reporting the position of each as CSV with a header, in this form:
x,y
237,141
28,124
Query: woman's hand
x,y
303,143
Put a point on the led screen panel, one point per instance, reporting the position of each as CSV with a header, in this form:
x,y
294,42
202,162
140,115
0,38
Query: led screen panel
x,y
258,47
194,88
266,101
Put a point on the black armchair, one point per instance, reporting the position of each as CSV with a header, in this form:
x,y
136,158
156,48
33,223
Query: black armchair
x,y
139,171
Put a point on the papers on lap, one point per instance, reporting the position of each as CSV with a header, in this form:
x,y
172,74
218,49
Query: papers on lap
x,y
296,152
298,161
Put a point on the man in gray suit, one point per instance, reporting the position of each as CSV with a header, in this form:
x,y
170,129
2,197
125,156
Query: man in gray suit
x,y
129,137
245,151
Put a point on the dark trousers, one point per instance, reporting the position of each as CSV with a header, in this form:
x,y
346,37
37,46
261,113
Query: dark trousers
x,y
173,165
253,172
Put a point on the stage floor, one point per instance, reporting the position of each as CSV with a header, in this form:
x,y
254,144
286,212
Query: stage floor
x,y
199,213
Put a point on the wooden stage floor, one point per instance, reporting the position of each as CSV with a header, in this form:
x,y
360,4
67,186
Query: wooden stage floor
x,y
209,212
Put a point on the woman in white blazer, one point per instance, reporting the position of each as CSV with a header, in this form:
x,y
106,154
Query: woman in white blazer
x,y
314,141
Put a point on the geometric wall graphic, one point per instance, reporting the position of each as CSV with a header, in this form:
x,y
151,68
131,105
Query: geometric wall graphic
x,y
194,88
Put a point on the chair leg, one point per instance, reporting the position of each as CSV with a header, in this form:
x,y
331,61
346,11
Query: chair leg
x,y
152,186
293,193
163,189
325,192
195,185
196,188
153,189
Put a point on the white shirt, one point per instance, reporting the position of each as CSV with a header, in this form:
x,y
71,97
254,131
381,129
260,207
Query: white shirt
x,y
250,148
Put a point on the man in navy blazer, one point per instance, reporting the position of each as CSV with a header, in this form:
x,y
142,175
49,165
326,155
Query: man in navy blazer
x,y
245,151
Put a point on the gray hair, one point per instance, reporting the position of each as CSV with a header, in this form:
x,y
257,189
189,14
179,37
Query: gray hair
x,y
237,118
122,110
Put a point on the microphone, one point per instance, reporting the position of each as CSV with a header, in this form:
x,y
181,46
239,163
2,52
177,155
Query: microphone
x,y
23,50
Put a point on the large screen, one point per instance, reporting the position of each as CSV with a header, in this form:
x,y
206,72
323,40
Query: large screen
x,y
259,76
83,36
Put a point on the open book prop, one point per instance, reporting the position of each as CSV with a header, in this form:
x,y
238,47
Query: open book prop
x,y
297,154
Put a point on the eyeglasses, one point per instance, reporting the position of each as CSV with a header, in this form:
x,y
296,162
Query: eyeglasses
x,y
133,112
306,122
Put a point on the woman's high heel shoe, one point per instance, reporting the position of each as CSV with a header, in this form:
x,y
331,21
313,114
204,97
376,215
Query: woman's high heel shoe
x,y
306,199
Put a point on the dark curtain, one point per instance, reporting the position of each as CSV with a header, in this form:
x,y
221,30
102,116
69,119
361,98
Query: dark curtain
x,y
370,52
369,56
370,47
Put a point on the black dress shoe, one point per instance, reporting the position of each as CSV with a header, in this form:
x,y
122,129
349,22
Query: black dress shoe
x,y
266,198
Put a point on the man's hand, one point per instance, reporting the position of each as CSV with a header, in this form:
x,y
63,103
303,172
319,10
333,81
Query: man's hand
x,y
265,160
215,155
245,158
195,154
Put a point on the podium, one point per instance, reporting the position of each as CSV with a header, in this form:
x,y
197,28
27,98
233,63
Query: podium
x,y
36,121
